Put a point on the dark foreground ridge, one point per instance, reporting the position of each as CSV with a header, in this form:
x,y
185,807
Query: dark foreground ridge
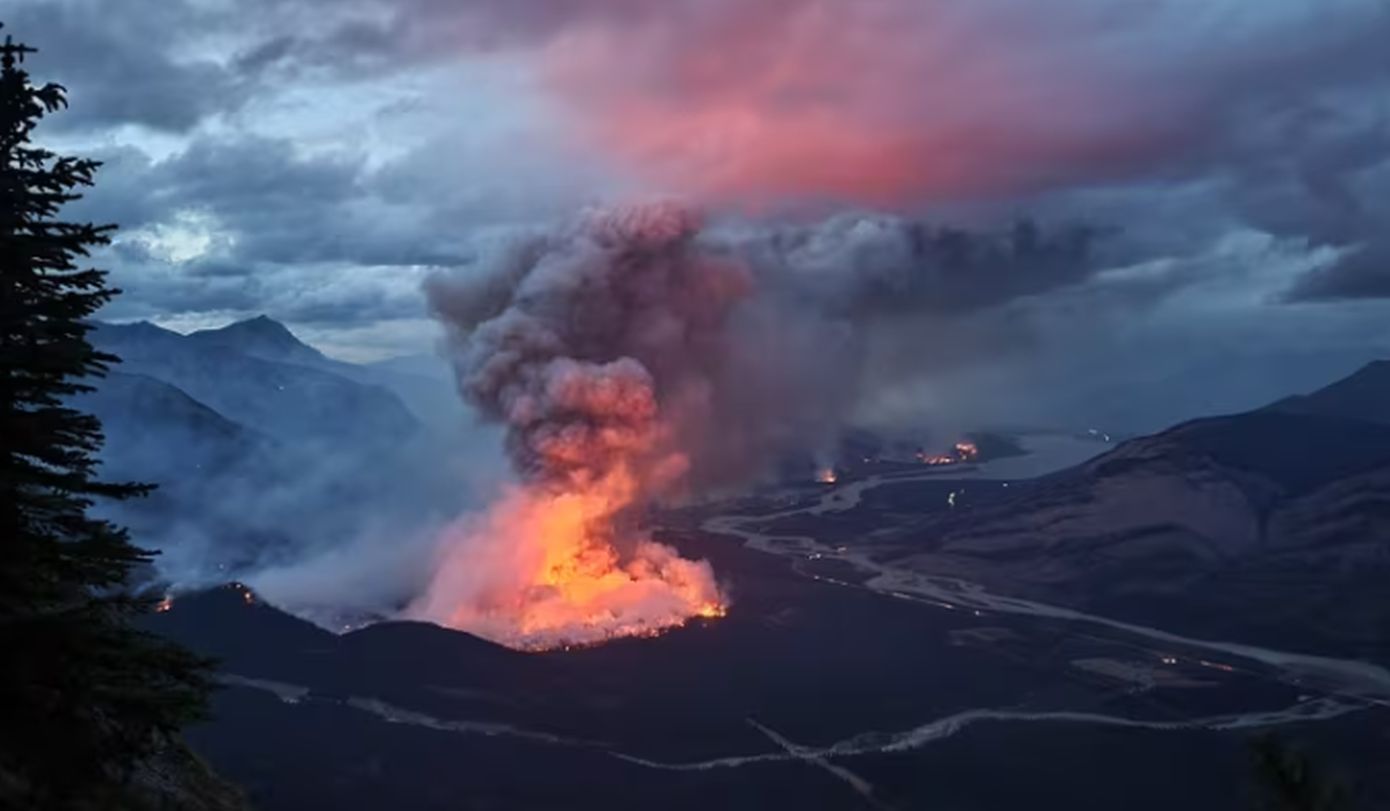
x,y
809,695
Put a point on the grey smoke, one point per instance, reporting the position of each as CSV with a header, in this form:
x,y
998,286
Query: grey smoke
x,y
869,267
575,340
752,343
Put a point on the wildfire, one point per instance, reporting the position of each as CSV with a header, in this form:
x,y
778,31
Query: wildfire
x,y
164,605
937,459
827,475
598,353
543,570
963,451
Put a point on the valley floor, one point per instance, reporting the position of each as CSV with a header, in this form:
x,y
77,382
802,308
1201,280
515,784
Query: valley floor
x,y
831,684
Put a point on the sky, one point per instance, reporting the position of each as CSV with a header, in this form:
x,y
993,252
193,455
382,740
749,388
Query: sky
x,y
317,160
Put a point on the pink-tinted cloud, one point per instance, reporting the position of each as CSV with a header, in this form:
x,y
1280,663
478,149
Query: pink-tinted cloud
x,y
889,101
876,101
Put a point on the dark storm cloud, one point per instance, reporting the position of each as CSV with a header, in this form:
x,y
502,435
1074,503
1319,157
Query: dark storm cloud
x,y
1273,121
1347,205
1363,272
286,208
1251,97
355,34
878,266
281,207
271,229
1249,89
118,62
1265,111
1338,171
1268,117
348,40
1021,96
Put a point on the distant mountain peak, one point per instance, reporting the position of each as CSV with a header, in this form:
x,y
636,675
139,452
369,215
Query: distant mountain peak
x,y
263,337
262,326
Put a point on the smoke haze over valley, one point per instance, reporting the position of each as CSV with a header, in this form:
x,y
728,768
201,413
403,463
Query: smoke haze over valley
x,y
734,403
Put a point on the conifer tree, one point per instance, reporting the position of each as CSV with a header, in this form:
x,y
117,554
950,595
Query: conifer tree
x,y
84,696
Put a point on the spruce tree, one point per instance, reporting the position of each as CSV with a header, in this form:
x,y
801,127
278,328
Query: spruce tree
x,y
84,696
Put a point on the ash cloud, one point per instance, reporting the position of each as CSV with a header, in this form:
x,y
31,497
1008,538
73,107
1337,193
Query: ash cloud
x,y
721,350
576,340
866,267
122,66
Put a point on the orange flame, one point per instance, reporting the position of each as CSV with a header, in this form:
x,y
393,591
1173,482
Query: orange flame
x,y
542,570
935,459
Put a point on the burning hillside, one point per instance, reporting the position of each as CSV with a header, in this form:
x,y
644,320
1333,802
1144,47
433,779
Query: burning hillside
x,y
543,569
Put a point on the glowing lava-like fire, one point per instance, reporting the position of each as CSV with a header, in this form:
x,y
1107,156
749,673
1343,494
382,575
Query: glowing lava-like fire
x,y
963,451
542,570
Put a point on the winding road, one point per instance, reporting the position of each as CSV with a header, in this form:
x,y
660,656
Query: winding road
x,y
868,743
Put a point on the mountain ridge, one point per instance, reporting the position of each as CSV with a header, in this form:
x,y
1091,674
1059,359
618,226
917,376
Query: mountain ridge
x,y
287,399
265,338
1218,521
1363,395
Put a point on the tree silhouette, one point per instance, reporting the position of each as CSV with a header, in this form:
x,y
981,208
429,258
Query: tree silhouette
x,y
84,697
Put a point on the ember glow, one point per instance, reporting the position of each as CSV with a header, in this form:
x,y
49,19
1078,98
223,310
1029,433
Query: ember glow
x,y
827,475
542,570
964,451
935,459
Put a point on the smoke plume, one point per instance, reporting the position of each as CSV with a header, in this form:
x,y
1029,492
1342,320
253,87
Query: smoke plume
x,y
604,352
636,357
